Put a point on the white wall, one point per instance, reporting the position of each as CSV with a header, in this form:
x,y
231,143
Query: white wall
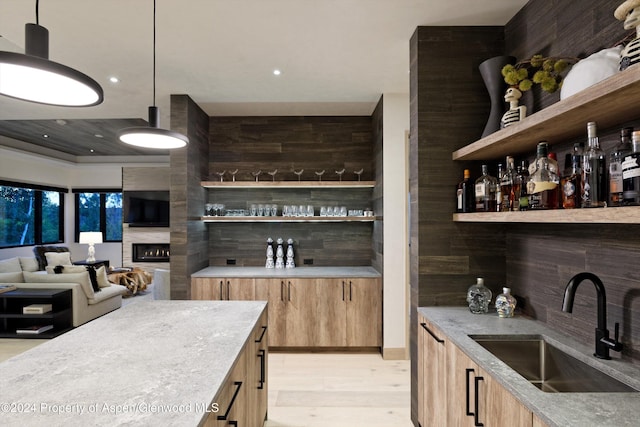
x,y
29,168
395,189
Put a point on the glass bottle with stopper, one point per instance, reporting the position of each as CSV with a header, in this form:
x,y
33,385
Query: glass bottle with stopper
x,y
479,297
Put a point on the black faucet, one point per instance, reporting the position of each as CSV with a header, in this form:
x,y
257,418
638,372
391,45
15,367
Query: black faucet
x,y
603,342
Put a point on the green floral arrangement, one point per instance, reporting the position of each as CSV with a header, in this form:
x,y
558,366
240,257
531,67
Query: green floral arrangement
x,y
545,71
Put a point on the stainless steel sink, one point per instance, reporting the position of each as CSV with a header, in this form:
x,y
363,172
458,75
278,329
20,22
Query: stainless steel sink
x,y
547,367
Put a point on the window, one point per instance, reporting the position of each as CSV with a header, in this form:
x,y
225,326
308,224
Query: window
x,y
99,210
30,214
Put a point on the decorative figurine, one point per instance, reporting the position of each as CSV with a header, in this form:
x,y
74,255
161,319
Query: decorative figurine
x,y
629,13
290,263
516,112
269,263
279,254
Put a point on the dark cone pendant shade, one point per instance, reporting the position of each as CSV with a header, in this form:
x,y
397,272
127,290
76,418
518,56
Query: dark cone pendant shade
x,y
152,136
32,77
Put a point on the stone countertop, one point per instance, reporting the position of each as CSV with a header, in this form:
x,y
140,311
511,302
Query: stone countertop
x,y
556,409
299,272
149,363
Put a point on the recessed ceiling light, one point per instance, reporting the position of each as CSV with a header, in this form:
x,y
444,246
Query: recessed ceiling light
x,y
45,136
91,150
97,135
276,72
61,122
114,79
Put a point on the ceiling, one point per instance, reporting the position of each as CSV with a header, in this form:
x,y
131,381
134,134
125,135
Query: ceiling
x,y
337,57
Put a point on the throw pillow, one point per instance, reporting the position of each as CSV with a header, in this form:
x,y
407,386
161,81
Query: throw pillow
x,y
58,258
81,278
70,269
39,252
29,264
10,265
14,277
101,274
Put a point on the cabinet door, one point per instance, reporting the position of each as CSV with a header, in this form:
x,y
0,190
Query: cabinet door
x,y
240,289
461,396
364,312
301,313
274,291
258,406
331,297
207,288
232,397
433,398
501,407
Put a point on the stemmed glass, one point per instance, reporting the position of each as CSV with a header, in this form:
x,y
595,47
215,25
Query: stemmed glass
x,y
221,174
273,175
233,175
256,174
339,173
359,173
320,173
299,173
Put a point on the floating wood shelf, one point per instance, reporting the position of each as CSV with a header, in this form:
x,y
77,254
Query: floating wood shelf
x,y
622,215
288,184
289,219
610,102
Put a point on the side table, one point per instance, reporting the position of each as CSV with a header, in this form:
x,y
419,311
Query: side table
x,y
13,318
95,264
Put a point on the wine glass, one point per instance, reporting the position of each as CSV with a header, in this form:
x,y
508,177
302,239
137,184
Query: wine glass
x,y
256,174
320,173
299,173
221,174
359,172
273,174
233,175
339,173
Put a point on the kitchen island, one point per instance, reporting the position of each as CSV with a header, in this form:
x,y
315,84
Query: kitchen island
x,y
149,363
455,328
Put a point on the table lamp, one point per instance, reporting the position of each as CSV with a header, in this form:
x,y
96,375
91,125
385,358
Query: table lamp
x,y
91,238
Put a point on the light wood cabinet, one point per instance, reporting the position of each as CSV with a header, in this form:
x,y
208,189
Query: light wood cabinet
x,y
432,371
363,300
222,289
242,400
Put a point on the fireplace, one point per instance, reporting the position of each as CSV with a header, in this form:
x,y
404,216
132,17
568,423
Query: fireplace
x,y
150,252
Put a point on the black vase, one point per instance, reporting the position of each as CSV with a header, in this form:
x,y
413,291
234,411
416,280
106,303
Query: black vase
x,y
490,70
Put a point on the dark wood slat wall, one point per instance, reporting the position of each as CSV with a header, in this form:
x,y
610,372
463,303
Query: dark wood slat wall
x,y
189,235
377,199
449,107
284,143
542,258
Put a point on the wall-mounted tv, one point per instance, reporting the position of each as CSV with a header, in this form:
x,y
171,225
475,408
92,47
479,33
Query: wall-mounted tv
x,y
146,208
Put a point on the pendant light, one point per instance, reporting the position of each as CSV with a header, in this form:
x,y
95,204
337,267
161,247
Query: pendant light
x,y
153,136
32,77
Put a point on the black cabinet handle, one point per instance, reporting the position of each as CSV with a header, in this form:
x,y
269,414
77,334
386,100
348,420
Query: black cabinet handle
x,y
282,290
435,337
350,291
289,291
343,290
477,423
469,413
224,417
221,293
228,290
262,354
264,329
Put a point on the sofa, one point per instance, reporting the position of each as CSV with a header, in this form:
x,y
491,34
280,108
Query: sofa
x,y
91,296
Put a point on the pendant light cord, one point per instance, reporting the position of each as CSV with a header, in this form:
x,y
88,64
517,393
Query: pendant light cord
x,y
38,12
154,53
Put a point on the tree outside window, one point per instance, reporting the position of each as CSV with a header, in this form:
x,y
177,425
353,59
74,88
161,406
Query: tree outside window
x,y
99,211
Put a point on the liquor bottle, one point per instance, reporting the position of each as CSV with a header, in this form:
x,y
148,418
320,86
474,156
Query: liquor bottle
x,y
553,163
505,303
616,157
631,173
570,184
465,196
594,172
499,188
485,190
523,178
479,297
543,184
508,184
